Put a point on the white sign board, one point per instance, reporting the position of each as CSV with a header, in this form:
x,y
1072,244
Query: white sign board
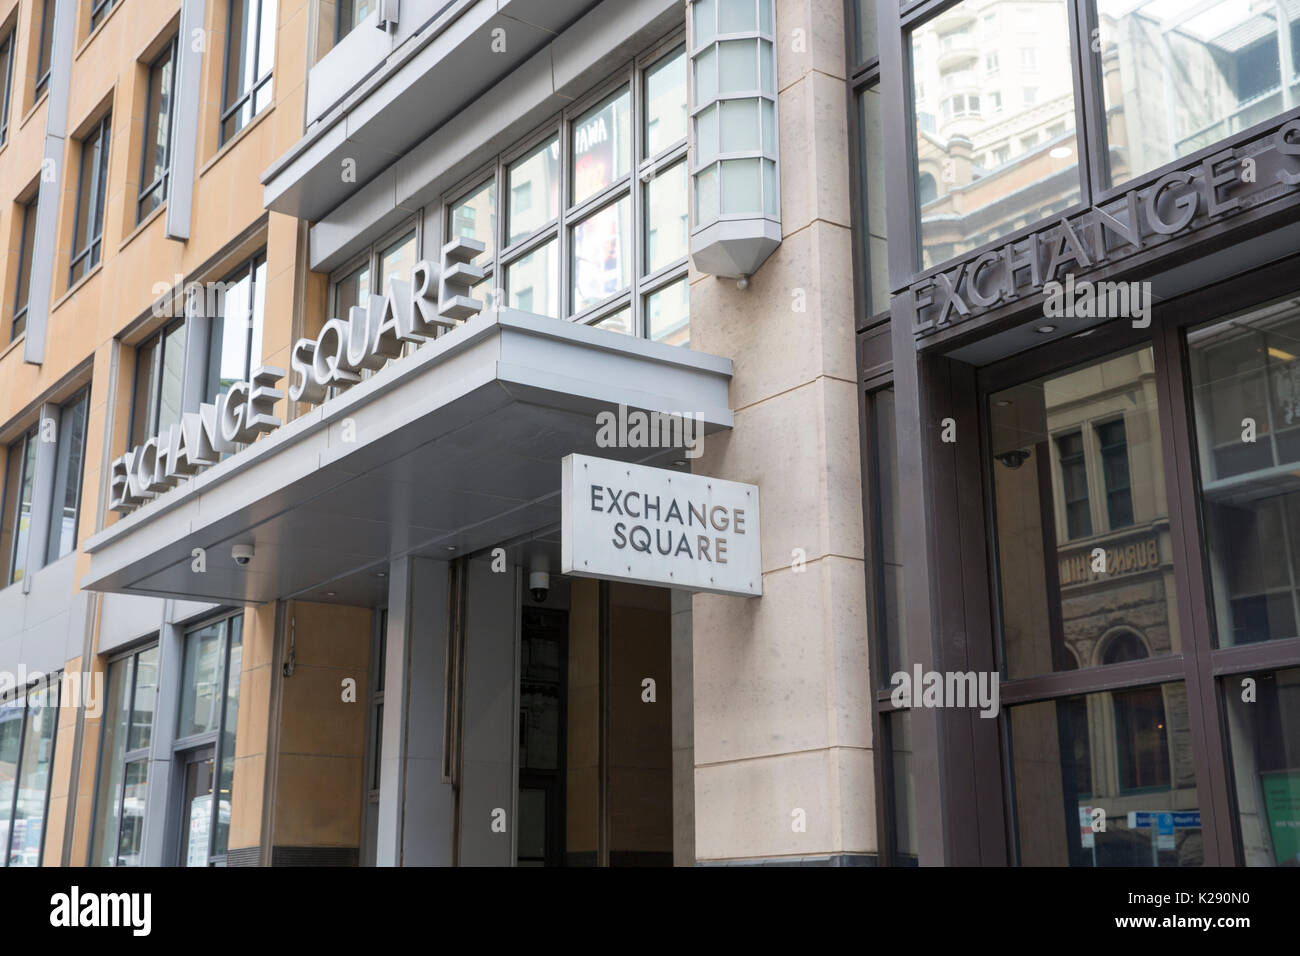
x,y
655,526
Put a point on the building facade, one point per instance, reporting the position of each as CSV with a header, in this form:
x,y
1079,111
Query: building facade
x,y
311,305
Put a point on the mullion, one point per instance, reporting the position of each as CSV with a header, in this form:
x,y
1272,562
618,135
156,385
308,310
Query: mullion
x,y
221,732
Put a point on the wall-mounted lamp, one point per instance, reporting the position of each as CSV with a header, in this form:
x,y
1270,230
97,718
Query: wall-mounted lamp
x,y
734,169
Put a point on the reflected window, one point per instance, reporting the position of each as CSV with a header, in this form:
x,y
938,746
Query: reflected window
x,y
1178,77
250,56
1245,374
235,335
44,49
69,463
26,249
155,158
20,485
92,186
1072,566
975,203
7,47
159,370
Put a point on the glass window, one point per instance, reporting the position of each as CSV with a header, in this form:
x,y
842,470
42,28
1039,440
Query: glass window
x,y
668,220
43,51
533,183
23,285
602,145
665,98
887,540
902,772
7,46
865,36
250,57
20,483
159,370
350,15
475,217
209,711
154,162
871,180
1114,471
124,760
24,796
1245,378
396,260
70,459
624,168
969,204
668,313
1133,750
530,281
352,290
235,336
1062,598
1264,740
1180,77
99,10
88,227
602,245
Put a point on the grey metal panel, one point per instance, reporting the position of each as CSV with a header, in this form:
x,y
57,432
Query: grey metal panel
x,y
427,801
127,617
45,239
351,60
185,119
489,749
397,681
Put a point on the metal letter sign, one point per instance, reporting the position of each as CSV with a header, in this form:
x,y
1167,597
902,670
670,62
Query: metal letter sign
x,y
654,526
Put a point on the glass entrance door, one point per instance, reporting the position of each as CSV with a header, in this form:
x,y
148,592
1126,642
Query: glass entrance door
x,y
196,807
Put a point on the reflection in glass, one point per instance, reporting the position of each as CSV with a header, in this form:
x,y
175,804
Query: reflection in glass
x,y
903,824
602,145
226,771
1055,452
69,463
112,750
668,313
1178,77
993,152
475,217
1246,368
1264,740
602,246
871,150
665,96
530,281
1090,739
533,184
667,237
887,540
200,681
22,478
620,321
28,825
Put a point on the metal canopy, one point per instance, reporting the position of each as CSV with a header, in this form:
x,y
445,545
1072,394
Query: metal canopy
x,y
450,450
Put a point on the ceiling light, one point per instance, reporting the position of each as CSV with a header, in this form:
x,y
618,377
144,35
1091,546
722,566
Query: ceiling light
x,y
1045,329
1061,152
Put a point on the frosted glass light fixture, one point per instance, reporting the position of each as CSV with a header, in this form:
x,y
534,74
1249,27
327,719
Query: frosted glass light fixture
x,y
734,186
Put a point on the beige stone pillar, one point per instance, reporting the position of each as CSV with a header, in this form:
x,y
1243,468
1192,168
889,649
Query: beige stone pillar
x,y
783,761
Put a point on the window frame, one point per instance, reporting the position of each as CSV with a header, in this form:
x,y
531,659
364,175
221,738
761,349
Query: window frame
x,y
632,186
160,183
87,250
246,269
99,11
231,110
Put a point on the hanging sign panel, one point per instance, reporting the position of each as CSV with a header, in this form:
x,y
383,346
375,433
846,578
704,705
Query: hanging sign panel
x,y
654,526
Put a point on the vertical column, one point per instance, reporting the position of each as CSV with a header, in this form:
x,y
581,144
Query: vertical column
x,y
159,844
683,704
47,209
189,78
490,747
415,805
783,759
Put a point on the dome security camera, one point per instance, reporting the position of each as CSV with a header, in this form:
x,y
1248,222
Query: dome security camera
x,y
1014,459
539,584
242,553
